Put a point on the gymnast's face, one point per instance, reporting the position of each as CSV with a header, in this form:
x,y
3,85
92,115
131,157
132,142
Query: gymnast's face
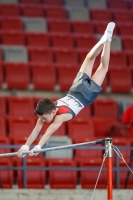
x,y
47,117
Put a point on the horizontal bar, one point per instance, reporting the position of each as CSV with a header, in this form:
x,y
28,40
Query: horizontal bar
x,y
101,141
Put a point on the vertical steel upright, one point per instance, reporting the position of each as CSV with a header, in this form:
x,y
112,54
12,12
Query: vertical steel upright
x,y
108,146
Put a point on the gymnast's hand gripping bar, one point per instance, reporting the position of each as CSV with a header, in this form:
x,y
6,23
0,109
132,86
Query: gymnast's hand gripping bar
x,y
101,141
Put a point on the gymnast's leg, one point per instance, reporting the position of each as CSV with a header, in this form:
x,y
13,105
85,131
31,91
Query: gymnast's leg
x,y
88,63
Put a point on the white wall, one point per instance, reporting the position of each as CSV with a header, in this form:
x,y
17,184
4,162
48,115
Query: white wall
x,y
49,194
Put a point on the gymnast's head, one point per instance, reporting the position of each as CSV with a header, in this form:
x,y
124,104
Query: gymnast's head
x,y
46,110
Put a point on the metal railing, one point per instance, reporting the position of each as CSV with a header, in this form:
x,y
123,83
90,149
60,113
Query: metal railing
x,y
24,166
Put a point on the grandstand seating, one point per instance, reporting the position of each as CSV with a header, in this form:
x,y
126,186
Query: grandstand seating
x,y
105,108
102,125
82,27
20,126
62,40
120,80
32,11
87,154
6,176
100,4
3,130
37,39
118,4
88,178
40,54
79,14
59,25
85,41
1,75
54,12
9,10
43,76
73,3
63,74
80,128
121,16
101,15
3,107
66,55
53,3
43,44
59,141
20,106
17,75
125,29
11,24
13,37
69,179
37,180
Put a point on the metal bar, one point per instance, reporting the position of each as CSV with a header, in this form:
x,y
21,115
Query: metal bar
x,y
108,143
101,141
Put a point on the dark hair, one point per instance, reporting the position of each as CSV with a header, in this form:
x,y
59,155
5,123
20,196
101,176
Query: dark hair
x,y
45,106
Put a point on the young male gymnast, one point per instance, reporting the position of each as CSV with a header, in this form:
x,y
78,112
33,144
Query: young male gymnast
x,y
82,93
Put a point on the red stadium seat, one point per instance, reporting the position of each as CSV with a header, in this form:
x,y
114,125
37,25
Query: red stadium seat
x,y
66,56
101,26
87,154
4,141
6,176
125,29
40,54
118,58
88,178
59,26
55,12
11,24
1,75
130,58
20,126
9,10
53,2
82,27
3,131
21,106
65,178
32,10
43,76
37,39
80,128
62,40
101,15
102,125
105,108
121,16
85,41
35,178
120,80
127,43
3,109
65,71
17,75
30,1
118,4
1,55
122,141
13,37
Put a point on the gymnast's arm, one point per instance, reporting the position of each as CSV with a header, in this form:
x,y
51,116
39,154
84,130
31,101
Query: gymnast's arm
x,y
35,132
32,137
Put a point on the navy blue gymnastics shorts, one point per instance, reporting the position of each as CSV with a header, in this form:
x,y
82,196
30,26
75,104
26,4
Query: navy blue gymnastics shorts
x,y
84,89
